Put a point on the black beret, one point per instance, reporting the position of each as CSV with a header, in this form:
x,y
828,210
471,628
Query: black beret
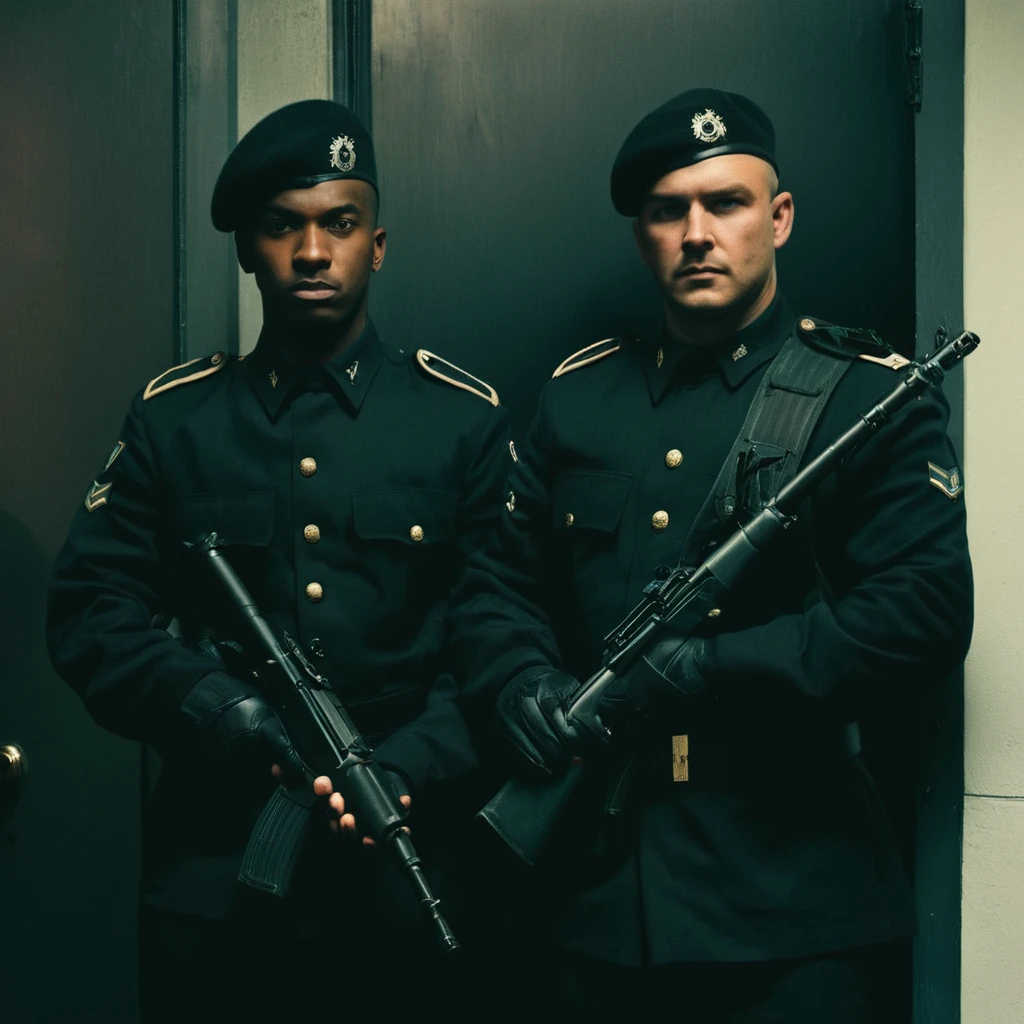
x,y
298,146
692,126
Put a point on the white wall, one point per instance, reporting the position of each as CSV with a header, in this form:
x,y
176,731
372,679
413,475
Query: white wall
x,y
284,55
993,867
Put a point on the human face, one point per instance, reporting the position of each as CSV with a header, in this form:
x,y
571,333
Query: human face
x,y
708,233
313,250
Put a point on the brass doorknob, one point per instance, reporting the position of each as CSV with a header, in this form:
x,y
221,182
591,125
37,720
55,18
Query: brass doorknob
x,y
13,771
13,763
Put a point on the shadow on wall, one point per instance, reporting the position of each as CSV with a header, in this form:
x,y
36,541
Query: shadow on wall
x,y
68,848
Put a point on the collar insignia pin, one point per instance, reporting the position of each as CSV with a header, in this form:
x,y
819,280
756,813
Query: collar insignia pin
x,y
708,127
343,153
118,448
660,358
272,377
352,371
739,353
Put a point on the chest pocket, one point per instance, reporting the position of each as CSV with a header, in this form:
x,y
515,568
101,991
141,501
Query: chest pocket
x,y
589,499
242,518
409,516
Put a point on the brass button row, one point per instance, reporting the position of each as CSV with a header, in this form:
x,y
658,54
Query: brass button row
x,y
659,521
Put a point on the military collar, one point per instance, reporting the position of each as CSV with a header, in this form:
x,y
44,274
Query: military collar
x,y
274,377
736,357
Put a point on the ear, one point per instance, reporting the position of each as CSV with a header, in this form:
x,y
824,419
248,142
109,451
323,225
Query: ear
x,y
243,251
782,218
380,239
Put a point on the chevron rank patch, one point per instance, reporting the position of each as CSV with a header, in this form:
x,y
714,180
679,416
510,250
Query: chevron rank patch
x,y
949,481
97,496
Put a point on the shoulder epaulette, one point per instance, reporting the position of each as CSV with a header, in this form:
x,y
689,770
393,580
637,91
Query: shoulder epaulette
x,y
194,369
849,342
455,375
586,356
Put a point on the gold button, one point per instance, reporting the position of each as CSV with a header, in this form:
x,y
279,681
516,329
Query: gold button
x,y
807,324
569,519
659,520
217,358
673,458
416,533
307,467
312,534
314,592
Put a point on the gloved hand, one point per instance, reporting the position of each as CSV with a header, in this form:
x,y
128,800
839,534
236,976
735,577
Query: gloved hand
x,y
670,676
531,717
234,727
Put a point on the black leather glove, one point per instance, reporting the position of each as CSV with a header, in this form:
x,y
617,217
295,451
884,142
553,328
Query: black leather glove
x,y
531,717
670,676
234,727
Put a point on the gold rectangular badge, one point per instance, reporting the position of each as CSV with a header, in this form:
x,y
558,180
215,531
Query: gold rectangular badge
x,y
680,758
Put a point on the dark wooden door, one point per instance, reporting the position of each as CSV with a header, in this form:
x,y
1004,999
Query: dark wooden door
x,y
86,274
496,125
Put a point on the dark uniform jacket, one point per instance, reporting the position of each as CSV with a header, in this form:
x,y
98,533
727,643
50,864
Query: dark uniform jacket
x,y
777,846
349,497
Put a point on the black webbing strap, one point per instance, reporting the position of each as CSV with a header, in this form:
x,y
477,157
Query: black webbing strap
x,y
768,449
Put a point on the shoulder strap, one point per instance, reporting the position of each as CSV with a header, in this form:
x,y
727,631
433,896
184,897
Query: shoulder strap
x,y
586,356
455,375
771,443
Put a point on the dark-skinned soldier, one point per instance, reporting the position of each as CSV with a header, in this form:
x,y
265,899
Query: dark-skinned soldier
x,y
348,478
753,875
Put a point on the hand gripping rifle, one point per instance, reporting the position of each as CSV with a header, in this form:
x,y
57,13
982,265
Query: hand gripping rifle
x,y
524,813
328,743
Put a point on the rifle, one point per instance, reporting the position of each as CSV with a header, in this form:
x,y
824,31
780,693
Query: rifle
x,y
523,813
328,743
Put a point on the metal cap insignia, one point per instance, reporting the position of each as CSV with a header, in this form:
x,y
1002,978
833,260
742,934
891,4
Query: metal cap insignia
x,y
708,127
343,153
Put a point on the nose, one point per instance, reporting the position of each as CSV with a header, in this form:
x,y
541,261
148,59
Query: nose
x,y
312,252
698,236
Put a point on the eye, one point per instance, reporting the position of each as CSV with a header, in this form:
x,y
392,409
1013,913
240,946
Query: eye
x,y
275,225
661,213
342,224
727,203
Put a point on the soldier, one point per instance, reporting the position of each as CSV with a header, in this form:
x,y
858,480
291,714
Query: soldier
x,y
349,480
753,876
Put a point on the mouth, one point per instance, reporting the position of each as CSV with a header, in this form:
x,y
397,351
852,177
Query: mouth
x,y
313,290
698,271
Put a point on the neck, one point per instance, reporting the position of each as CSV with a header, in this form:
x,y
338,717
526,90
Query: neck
x,y
683,326
313,344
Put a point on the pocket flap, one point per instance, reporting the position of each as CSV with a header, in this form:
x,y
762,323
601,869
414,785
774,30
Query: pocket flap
x,y
409,515
589,499
242,518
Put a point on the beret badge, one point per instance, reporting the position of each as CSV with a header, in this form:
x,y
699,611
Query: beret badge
x,y
708,127
343,153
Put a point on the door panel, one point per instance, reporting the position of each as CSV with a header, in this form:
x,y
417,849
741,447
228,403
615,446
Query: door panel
x,y
87,276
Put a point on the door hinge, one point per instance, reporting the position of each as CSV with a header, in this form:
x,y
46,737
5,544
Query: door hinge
x,y
915,57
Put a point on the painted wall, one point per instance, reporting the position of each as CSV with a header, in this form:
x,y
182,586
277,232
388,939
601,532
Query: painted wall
x,y
993,865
